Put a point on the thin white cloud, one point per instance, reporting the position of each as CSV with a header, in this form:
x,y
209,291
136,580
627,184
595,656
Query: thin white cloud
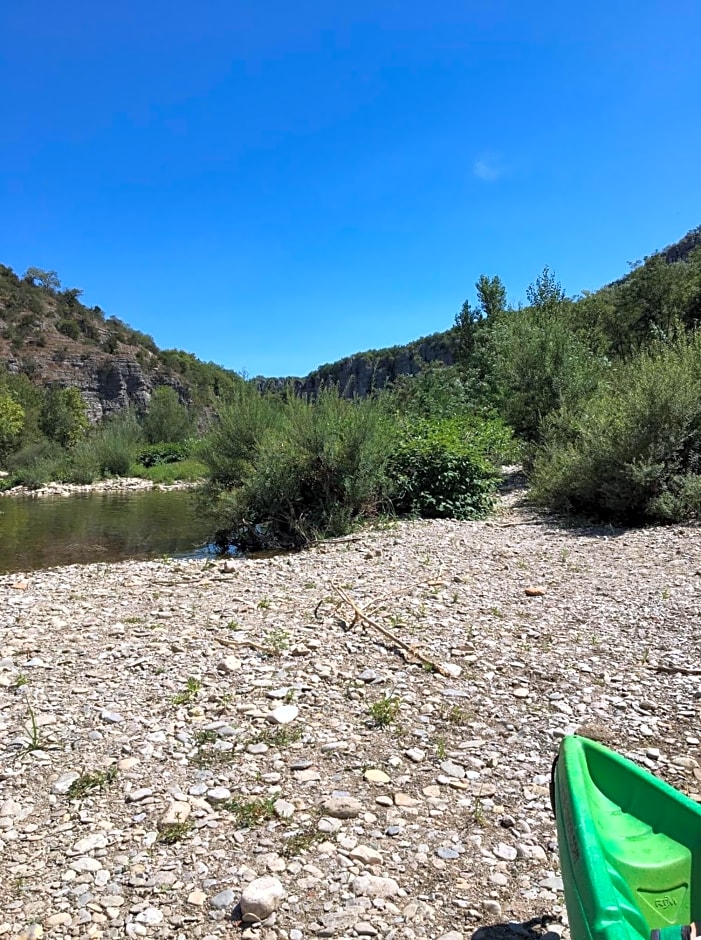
x,y
487,169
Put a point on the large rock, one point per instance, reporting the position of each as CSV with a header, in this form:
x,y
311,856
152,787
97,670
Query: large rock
x,y
260,898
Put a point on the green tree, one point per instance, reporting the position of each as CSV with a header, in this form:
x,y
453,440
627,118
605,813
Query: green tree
x,y
466,328
47,279
63,416
545,294
167,418
492,296
11,424
539,364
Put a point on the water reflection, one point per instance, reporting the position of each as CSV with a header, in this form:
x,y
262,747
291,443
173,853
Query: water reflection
x,y
66,530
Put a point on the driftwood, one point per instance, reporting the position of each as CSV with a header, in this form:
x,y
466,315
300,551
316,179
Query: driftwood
x,y
508,525
236,644
669,668
360,615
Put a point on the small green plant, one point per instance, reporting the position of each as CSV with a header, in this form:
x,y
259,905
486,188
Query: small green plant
x,y
281,737
441,750
133,620
174,832
21,680
263,603
301,841
384,711
205,737
249,813
478,812
278,640
189,693
94,780
233,625
456,715
34,738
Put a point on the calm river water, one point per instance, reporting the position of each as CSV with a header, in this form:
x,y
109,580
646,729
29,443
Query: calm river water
x,y
68,530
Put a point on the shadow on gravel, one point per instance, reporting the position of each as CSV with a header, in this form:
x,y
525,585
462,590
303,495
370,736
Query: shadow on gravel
x,y
534,929
513,490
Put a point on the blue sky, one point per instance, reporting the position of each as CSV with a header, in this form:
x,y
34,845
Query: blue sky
x,y
274,185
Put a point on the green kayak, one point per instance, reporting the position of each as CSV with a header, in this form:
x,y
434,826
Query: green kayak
x,y
630,848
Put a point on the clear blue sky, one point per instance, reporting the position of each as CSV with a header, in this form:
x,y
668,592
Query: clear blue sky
x,y
273,184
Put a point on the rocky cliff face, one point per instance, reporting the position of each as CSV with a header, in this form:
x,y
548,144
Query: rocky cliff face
x,y
363,373
107,383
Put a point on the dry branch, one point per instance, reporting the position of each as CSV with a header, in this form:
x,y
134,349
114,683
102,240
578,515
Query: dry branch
x,y
360,615
236,644
668,667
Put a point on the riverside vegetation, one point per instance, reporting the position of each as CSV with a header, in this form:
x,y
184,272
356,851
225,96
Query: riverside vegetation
x,y
599,395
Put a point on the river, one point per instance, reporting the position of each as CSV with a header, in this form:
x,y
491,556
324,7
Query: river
x,y
65,530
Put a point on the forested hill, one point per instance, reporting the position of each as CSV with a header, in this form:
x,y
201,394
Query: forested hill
x,y
49,335
655,290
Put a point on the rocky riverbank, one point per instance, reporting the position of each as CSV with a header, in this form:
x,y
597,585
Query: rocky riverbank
x,y
112,485
171,734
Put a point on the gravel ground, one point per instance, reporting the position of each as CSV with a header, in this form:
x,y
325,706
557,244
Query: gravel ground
x,y
184,748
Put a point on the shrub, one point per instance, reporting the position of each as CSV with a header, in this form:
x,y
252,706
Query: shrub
x,y
69,327
182,471
538,366
301,471
153,455
436,471
167,419
35,463
115,442
634,453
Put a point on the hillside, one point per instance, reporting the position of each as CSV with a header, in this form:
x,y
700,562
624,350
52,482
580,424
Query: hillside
x,y
50,336
47,333
361,372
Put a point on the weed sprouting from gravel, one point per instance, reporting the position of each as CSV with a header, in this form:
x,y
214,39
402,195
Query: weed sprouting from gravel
x,y
278,640
93,780
249,813
384,711
189,693
301,841
457,715
280,737
174,832
33,736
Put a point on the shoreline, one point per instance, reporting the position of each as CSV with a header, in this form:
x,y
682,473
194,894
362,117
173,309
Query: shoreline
x,y
112,485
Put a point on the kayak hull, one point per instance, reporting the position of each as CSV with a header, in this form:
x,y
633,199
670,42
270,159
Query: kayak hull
x,y
630,846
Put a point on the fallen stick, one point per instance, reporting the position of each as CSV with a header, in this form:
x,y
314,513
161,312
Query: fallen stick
x,y
235,644
359,614
683,670
509,525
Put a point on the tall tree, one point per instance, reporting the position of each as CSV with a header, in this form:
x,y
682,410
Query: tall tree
x,y
49,280
492,295
11,423
167,418
63,416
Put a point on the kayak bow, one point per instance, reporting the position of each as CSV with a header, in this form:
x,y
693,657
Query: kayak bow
x,y
630,847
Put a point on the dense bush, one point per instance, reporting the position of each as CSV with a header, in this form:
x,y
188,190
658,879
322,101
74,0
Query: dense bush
x,y
284,474
153,455
439,469
634,453
539,365
167,419
35,463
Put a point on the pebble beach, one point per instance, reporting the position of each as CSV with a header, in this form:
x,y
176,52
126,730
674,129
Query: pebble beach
x,y
198,749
